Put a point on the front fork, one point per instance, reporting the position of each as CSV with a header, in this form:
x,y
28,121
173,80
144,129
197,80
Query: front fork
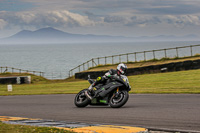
x,y
117,92
90,87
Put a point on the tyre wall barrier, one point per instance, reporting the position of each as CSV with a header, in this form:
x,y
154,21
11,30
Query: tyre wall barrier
x,y
15,80
169,67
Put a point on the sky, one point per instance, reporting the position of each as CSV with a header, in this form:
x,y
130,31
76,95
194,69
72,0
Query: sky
x,y
130,18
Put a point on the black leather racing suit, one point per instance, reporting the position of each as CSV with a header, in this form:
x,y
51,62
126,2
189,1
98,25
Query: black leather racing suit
x,y
104,78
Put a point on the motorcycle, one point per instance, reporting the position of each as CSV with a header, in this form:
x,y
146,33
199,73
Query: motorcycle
x,y
113,93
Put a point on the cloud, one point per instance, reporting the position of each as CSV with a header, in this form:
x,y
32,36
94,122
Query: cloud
x,y
182,20
107,7
15,5
170,9
156,7
64,18
149,20
124,12
2,24
111,19
93,16
59,18
103,16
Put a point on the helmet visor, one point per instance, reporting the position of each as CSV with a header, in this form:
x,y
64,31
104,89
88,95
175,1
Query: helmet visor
x,y
123,70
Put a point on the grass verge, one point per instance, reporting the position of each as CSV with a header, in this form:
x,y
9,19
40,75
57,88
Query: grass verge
x,y
172,82
144,63
10,128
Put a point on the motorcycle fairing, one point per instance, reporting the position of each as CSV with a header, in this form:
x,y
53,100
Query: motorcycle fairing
x,y
100,101
108,88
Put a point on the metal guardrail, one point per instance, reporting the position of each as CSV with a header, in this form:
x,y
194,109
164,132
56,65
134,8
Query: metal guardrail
x,y
16,70
136,56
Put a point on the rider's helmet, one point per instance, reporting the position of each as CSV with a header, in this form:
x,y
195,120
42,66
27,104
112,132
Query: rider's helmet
x,y
121,68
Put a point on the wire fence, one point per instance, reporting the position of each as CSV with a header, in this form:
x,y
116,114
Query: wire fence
x,y
184,51
16,70
52,75
138,56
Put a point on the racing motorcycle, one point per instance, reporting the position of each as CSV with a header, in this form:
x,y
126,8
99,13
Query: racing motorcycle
x,y
113,93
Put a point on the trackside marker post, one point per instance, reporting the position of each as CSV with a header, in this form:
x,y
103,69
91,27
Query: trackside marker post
x,y
9,87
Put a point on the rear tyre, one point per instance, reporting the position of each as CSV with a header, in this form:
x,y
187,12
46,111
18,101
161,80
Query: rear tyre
x,y
119,100
81,99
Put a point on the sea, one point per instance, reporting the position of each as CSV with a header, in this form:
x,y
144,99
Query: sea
x,y
55,60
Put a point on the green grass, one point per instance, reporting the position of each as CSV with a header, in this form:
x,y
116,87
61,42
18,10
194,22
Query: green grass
x,y
172,82
10,128
142,63
45,88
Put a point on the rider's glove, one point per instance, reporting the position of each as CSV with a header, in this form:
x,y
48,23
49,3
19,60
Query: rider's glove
x,y
107,74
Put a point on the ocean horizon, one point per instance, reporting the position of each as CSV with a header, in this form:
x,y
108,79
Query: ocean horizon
x,y
55,60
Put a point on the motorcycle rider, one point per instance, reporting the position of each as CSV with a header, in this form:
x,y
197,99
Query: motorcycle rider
x,y
121,70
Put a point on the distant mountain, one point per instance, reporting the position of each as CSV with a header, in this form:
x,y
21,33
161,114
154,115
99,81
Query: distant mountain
x,y
51,35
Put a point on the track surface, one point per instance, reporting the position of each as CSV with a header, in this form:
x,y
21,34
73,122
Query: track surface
x,y
171,111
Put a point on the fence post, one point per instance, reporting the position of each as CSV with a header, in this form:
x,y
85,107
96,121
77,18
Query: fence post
x,y
83,66
105,61
98,60
177,51
154,57
79,68
92,62
165,53
112,60
88,64
119,58
6,69
135,57
95,64
191,50
127,58
144,56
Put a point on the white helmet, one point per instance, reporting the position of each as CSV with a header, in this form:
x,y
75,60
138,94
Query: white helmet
x,y
122,68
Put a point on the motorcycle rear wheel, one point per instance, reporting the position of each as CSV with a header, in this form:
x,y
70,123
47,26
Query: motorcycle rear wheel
x,y
120,100
81,99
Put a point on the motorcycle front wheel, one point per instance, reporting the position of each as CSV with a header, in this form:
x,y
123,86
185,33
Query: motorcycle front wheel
x,y
118,100
81,99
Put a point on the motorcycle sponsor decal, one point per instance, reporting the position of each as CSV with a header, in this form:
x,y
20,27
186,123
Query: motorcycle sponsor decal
x,y
103,101
94,100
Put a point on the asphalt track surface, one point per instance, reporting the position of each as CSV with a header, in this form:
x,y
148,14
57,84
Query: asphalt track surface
x,y
161,111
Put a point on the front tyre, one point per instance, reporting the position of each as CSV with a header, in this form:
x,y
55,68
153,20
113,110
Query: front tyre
x,y
81,100
118,100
